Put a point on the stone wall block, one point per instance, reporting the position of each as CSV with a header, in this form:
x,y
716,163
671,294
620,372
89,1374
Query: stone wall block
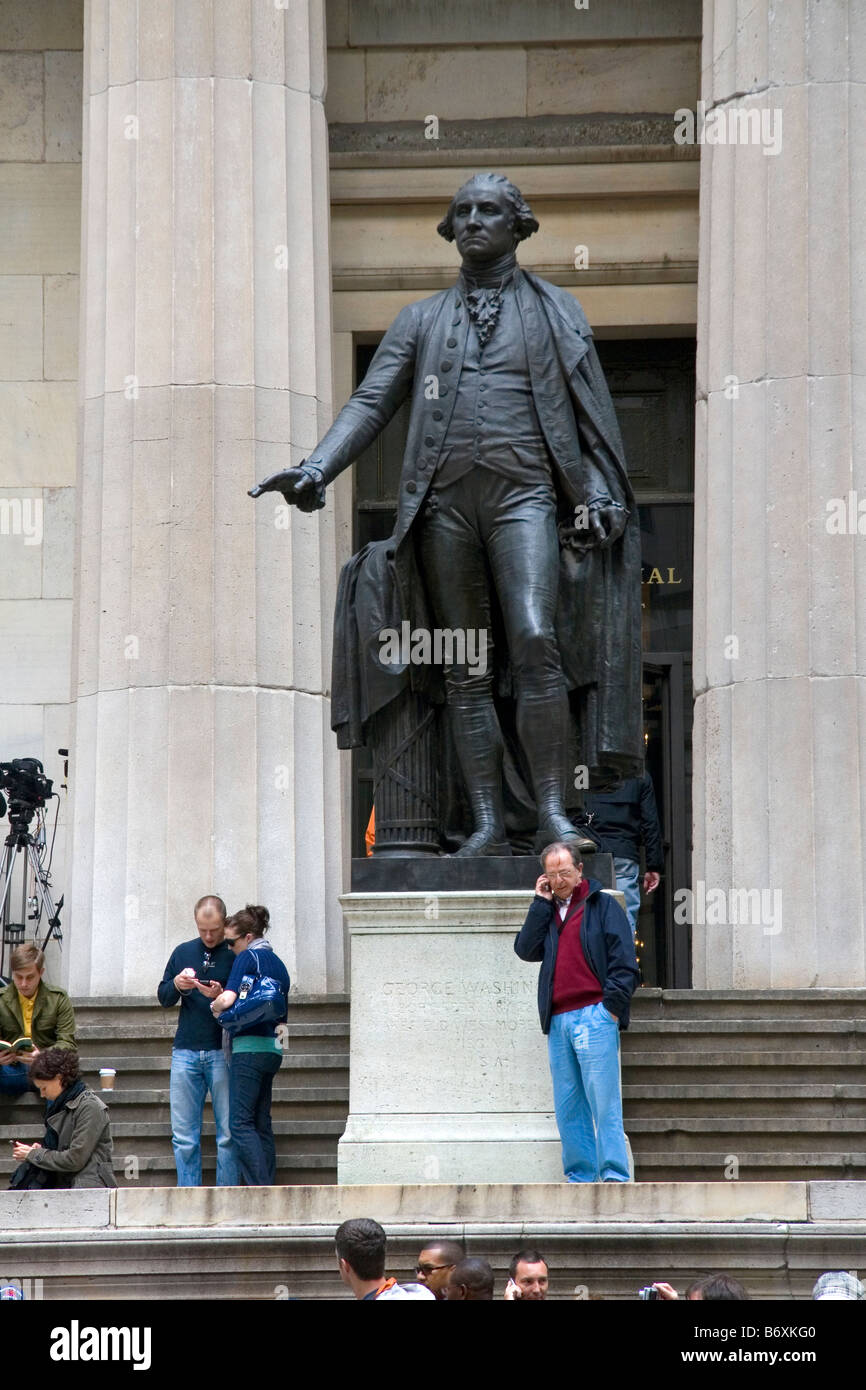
x,y
21,106
40,219
37,427
58,544
96,48
82,789
192,536
63,106
404,84
858,476
827,31
193,231
857,201
579,78
347,86
87,551
233,234
20,555
21,328
304,282
61,296
154,243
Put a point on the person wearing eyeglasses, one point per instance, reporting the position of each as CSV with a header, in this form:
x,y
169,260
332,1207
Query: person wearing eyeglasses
x,y
256,1054
435,1264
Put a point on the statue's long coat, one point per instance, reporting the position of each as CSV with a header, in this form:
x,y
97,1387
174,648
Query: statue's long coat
x,y
598,619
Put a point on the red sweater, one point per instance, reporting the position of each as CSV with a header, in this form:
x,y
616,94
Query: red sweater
x,y
574,984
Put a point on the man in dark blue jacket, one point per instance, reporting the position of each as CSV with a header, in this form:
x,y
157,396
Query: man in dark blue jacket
x,y
588,974
195,975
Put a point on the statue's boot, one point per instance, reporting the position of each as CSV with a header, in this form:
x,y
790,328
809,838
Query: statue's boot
x,y
478,739
543,728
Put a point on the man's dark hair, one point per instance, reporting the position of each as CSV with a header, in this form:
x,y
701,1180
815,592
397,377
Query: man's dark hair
x,y
210,900
361,1243
56,1061
525,222
714,1288
476,1274
452,1251
526,1257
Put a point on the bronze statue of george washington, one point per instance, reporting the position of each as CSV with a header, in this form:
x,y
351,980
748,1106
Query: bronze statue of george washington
x,y
515,523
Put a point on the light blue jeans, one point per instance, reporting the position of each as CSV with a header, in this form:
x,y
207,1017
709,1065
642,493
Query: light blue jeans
x,y
627,873
583,1047
193,1074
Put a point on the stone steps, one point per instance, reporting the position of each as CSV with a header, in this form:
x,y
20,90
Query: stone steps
x,y
771,1077
310,1099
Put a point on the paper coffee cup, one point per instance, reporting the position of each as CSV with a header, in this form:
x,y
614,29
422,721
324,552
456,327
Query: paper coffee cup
x,y
106,1078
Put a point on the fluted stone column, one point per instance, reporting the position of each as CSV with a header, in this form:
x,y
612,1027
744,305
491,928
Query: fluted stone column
x,y
203,758
780,603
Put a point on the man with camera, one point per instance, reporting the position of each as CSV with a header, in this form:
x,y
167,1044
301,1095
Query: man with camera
x,y
30,1008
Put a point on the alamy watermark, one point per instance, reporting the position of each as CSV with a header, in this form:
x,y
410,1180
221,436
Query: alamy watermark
x,y
22,516
438,646
729,125
719,907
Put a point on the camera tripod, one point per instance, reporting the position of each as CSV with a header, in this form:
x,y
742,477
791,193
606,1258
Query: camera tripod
x,y
17,841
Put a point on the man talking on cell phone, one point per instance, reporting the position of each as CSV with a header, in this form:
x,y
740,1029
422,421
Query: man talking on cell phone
x,y
196,974
588,974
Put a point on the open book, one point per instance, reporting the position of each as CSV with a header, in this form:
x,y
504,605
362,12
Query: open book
x,y
19,1045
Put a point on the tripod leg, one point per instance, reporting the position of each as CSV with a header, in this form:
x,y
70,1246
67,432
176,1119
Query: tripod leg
x,y
43,891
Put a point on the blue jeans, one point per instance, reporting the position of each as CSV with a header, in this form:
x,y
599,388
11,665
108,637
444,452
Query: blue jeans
x,y
251,1084
193,1074
627,874
14,1079
583,1047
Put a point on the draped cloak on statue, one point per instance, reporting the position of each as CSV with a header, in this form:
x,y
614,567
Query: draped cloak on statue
x,y
598,623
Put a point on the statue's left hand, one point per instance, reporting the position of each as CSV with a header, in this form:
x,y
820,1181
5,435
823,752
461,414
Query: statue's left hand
x,y
607,524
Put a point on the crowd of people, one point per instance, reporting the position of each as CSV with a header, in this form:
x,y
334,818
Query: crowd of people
x,y
228,974
445,1273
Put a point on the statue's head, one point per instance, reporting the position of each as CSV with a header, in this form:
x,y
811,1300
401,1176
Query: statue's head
x,y
487,217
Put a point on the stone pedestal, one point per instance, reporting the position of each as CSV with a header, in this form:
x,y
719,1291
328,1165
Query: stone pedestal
x,y
449,1080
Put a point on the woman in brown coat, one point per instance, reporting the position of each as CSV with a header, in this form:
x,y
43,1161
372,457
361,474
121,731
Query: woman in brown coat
x,y
76,1150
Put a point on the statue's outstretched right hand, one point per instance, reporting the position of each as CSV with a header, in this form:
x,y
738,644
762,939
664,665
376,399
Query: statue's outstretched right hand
x,y
301,487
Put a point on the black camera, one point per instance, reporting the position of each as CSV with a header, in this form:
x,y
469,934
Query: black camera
x,y
28,788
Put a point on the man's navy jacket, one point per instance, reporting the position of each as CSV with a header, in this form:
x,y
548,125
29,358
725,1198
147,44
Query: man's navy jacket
x,y
605,935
